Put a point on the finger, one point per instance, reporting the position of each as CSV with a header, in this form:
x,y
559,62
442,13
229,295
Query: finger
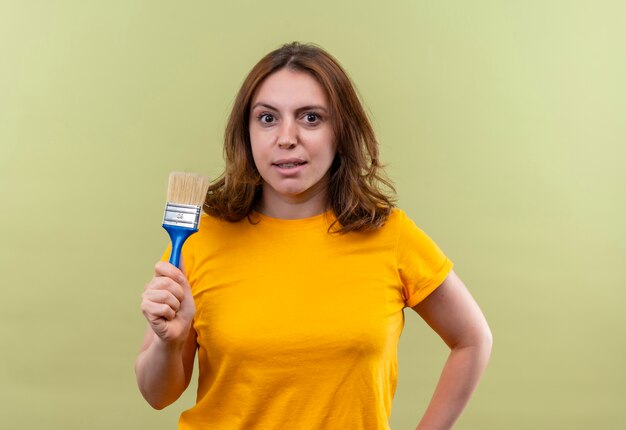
x,y
163,268
162,297
166,284
154,311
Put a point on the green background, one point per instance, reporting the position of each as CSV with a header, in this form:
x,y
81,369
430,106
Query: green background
x,y
503,124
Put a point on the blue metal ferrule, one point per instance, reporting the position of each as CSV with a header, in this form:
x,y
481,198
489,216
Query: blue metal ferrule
x,y
178,235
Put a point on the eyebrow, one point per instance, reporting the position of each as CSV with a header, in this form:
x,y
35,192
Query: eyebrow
x,y
300,109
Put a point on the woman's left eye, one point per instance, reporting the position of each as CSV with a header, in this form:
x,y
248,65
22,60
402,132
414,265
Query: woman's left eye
x,y
311,117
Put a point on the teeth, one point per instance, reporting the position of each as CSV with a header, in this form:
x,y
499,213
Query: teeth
x,y
288,165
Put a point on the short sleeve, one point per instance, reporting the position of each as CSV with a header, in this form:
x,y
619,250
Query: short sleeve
x,y
422,266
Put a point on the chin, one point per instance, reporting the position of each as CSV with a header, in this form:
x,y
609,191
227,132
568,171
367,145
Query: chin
x,y
293,188
292,192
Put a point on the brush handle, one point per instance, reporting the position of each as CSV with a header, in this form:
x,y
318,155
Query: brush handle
x,y
178,235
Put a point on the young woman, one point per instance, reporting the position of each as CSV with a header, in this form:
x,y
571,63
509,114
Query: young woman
x,y
294,288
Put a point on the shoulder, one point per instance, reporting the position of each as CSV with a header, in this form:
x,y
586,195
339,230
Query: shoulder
x,y
212,228
390,232
395,222
209,221
398,220
397,215
409,233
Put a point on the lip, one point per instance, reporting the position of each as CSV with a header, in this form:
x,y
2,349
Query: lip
x,y
289,171
294,160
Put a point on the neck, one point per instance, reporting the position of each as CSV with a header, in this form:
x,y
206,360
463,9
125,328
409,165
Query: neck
x,y
292,207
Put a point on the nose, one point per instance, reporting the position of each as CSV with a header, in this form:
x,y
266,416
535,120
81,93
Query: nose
x,y
288,135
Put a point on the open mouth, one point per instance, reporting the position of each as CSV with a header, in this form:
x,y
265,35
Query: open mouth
x,y
289,165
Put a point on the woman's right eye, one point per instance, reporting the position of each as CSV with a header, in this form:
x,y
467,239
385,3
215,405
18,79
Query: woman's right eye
x,y
266,118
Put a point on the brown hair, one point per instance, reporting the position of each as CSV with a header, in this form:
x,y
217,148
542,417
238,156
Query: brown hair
x,y
356,188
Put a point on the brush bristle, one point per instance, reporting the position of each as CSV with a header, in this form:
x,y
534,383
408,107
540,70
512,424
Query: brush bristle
x,y
187,188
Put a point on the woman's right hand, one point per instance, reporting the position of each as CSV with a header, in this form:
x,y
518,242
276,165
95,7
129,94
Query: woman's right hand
x,y
167,304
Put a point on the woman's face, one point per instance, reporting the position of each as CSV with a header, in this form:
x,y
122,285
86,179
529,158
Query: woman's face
x,y
292,139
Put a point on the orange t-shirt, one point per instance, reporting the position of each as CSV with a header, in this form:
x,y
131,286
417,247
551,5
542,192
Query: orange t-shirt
x,y
298,328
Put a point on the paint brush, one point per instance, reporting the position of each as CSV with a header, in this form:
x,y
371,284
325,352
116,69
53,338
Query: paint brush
x,y
186,193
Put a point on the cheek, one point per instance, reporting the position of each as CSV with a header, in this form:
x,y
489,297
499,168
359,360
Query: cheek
x,y
259,163
257,160
255,147
332,148
332,152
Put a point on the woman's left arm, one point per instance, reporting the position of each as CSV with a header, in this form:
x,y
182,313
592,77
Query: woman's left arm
x,y
451,311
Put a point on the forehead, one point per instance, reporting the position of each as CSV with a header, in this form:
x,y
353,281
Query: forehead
x,y
288,87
